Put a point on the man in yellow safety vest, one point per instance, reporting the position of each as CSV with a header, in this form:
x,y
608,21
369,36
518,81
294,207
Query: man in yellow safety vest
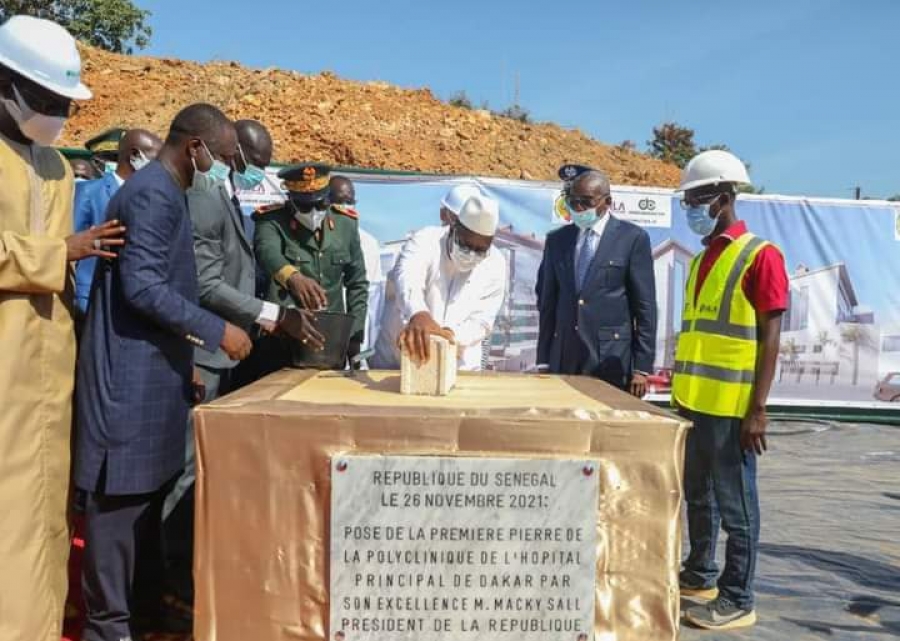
x,y
727,352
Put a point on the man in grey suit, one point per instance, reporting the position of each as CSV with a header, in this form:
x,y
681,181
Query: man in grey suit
x,y
226,275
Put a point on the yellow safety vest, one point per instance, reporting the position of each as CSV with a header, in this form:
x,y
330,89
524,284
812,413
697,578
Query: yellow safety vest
x,y
715,363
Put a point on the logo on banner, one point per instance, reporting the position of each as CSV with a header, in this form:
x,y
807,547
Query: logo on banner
x,y
643,209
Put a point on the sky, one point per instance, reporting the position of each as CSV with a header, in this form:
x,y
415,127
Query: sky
x,y
804,90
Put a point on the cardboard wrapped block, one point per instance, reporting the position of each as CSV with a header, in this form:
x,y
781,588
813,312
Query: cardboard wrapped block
x,y
264,478
436,376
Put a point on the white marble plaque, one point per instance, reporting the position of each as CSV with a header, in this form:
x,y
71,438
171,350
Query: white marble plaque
x,y
431,548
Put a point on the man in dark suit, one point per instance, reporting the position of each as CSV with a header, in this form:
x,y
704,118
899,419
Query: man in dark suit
x,y
226,274
135,372
596,293
136,148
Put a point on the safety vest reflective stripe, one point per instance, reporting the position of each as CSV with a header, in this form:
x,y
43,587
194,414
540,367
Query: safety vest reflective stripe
x,y
731,330
715,373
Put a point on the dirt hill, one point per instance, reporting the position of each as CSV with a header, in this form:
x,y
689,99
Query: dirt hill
x,y
323,117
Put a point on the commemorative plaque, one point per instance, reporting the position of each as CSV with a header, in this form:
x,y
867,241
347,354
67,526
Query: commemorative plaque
x,y
466,548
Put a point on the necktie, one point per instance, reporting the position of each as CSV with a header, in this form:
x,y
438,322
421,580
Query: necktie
x,y
583,260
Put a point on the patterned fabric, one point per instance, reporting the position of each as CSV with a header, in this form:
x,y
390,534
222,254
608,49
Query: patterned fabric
x,y
585,255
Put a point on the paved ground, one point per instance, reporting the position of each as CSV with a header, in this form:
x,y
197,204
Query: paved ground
x,y
829,565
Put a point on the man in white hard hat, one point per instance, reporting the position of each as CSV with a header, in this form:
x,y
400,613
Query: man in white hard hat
x,y
448,281
727,352
39,78
454,199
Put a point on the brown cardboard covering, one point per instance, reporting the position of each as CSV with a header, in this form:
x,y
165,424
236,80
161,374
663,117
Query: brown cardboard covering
x,y
263,489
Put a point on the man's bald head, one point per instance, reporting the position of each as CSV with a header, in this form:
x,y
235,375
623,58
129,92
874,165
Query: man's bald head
x,y
135,144
341,191
255,141
591,183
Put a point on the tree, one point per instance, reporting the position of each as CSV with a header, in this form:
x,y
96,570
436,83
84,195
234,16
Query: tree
x,y
675,144
859,336
114,25
672,143
461,99
516,112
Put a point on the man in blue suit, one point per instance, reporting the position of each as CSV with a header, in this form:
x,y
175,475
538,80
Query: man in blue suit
x,y
596,293
134,378
136,148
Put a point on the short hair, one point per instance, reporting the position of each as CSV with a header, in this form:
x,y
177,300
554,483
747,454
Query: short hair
x,y
252,128
594,178
200,120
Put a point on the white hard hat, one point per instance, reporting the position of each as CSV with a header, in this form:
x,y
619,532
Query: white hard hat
x,y
711,168
455,198
45,53
481,215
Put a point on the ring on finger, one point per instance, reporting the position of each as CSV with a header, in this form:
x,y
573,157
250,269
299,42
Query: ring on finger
x,y
97,244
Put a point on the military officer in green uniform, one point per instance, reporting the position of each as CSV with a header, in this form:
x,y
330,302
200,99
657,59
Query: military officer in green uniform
x,y
311,250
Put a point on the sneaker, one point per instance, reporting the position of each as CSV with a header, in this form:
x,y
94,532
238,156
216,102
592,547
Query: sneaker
x,y
692,588
720,614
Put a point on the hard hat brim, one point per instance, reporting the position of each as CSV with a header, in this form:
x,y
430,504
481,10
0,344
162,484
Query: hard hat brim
x,y
705,182
78,92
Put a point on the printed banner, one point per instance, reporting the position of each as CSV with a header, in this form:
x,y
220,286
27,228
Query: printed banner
x,y
840,338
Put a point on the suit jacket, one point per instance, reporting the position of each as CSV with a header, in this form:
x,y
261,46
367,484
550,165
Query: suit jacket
x,y
134,371
91,200
608,329
226,270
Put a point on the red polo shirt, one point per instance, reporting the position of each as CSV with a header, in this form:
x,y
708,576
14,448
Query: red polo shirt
x,y
765,283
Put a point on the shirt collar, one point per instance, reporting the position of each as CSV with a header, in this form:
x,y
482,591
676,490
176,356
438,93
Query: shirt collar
x,y
734,232
598,226
119,180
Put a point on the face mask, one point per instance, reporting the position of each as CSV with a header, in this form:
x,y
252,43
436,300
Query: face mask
x,y
312,220
465,259
80,180
582,219
699,221
140,161
250,178
210,179
39,128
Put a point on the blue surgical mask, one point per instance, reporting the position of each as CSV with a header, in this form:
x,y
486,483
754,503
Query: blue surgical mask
x,y
699,220
250,178
582,219
216,175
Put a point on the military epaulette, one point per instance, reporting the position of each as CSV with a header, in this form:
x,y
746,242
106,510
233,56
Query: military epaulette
x,y
267,209
346,210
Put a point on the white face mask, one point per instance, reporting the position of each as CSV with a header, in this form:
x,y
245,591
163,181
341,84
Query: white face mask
x,y
465,259
39,128
311,220
140,161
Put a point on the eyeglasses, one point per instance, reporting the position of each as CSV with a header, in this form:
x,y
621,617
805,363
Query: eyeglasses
x,y
581,203
45,102
305,208
699,200
465,247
